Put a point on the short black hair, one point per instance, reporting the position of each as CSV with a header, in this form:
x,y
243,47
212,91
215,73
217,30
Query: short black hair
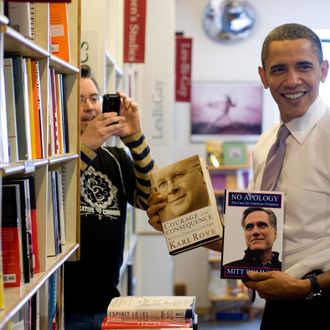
x,y
86,72
291,31
271,215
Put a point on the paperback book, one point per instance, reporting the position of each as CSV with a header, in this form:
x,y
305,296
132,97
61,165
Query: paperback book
x,y
253,230
191,218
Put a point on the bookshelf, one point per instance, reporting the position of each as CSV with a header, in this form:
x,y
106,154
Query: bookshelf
x,y
228,176
66,162
226,296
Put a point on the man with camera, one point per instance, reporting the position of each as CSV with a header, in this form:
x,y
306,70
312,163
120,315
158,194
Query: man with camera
x,y
109,180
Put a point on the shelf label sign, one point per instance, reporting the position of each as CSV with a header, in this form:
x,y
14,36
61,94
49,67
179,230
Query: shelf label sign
x,y
183,69
134,30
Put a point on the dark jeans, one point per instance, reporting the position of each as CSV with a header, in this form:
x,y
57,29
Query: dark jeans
x,y
81,321
297,314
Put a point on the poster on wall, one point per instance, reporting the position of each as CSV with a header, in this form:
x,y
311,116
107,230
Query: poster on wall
x,y
134,30
226,111
183,66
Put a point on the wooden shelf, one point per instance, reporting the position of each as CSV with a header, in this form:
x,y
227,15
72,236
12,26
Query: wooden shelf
x,y
214,259
240,301
15,298
3,20
228,167
242,297
15,43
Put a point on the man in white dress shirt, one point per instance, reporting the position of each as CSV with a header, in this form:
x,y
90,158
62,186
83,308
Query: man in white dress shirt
x,y
293,68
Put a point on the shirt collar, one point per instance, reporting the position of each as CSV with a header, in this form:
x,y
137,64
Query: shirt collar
x,y
300,127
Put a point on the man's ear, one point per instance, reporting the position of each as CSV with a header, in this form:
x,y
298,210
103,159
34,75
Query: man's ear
x,y
262,75
324,70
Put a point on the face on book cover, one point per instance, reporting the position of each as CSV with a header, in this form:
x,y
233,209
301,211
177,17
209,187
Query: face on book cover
x,y
186,189
260,233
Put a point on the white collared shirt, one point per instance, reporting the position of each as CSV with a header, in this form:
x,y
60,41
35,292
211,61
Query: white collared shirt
x,y
305,181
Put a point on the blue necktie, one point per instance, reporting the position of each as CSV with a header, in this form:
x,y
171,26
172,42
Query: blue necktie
x,y
275,160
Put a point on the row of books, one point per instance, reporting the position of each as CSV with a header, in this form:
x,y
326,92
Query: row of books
x,y
19,231
27,317
23,18
20,246
151,312
32,316
56,237
59,140
24,110
25,114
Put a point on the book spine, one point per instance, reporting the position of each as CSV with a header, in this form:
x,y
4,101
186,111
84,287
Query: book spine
x,y
20,17
11,109
31,107
112,323
2,293
37,109
11,240
52,301
22,108
59,31
151,315
34,226
53,114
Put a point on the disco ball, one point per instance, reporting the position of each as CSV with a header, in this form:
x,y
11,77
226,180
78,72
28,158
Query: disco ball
x,y
228,20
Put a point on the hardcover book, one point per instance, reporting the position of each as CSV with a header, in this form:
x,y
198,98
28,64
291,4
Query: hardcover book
x,y
191,218
152,308
112,323
253,230
11,237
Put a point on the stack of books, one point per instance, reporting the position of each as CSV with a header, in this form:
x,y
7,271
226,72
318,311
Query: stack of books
x,y
151,312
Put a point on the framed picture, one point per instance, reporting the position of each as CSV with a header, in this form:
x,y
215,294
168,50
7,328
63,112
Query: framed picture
x,y
226,110
235,153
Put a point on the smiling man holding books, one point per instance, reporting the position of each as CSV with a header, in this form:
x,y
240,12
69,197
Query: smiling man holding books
x,y
292,67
